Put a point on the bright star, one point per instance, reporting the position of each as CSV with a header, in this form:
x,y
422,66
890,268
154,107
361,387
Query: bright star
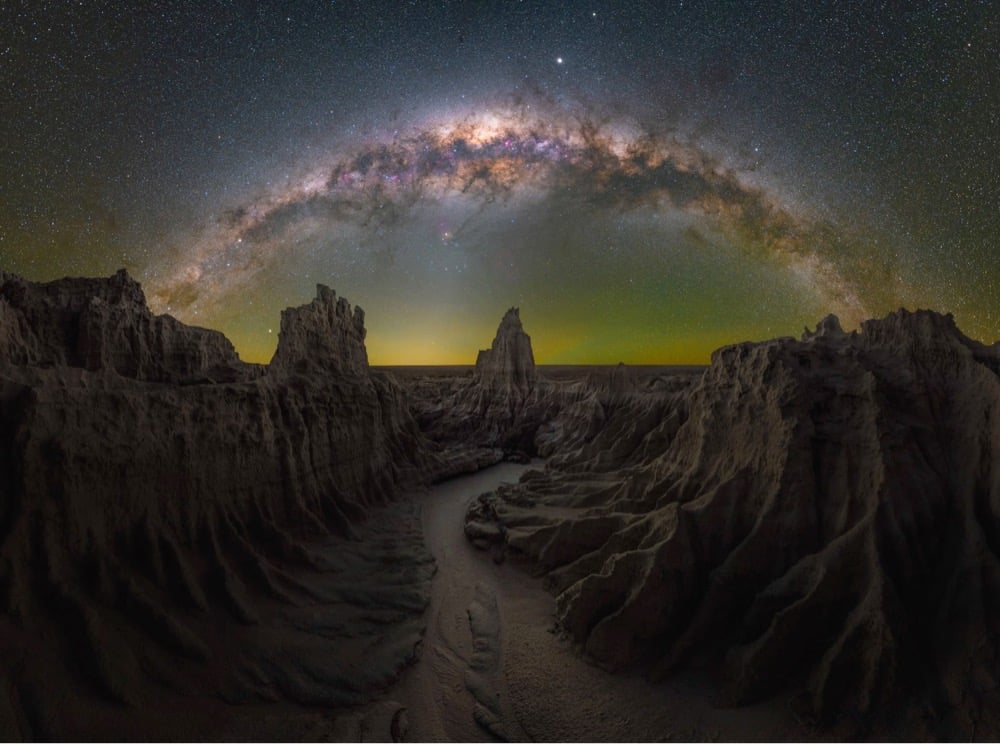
x,y
559,60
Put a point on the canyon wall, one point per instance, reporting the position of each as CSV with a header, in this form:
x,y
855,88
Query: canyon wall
x,y
159,499
822,518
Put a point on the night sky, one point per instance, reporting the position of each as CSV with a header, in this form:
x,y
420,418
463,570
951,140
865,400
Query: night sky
x,y
646,180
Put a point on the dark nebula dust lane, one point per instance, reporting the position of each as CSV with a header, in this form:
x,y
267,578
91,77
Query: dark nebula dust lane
x,y
488,161
650,181
747,371
490,196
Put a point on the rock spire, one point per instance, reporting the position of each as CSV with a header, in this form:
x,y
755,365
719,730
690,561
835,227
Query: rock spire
x,y
509,363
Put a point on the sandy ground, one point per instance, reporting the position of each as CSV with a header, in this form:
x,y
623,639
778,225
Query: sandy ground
x,y
436,691
493,667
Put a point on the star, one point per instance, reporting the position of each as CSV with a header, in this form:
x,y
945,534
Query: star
x,y
248,155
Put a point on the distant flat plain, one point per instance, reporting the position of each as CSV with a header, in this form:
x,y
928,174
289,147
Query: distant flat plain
x,y
562,372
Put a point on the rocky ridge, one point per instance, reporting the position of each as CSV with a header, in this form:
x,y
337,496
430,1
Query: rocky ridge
x,y
495,413
508,410
104,324
820,517
173,518
507,368
812,519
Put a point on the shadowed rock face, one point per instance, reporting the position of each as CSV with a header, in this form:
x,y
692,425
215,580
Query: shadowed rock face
x,y
177,526
499,410
323,336
508,410
104,324
506,403
169,513
508,366
824,515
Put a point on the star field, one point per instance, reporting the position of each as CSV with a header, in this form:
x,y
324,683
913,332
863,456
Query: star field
x,y
646,181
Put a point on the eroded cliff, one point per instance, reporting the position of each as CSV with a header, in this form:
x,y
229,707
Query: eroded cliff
x,y
497,413
822,516
175,520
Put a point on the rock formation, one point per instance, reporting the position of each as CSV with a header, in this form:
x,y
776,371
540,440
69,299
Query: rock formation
x,y
180,530
500,409
507,368
172,519
508,410
601,422
821,516
323,336
104,324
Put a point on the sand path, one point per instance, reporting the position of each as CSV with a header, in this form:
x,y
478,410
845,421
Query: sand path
x,y
493,668
459,677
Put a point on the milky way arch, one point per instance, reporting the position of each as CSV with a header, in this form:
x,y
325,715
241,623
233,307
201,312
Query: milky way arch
x,y
495,156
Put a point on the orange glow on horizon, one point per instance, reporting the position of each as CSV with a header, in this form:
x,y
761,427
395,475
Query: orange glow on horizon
x,y
388,352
